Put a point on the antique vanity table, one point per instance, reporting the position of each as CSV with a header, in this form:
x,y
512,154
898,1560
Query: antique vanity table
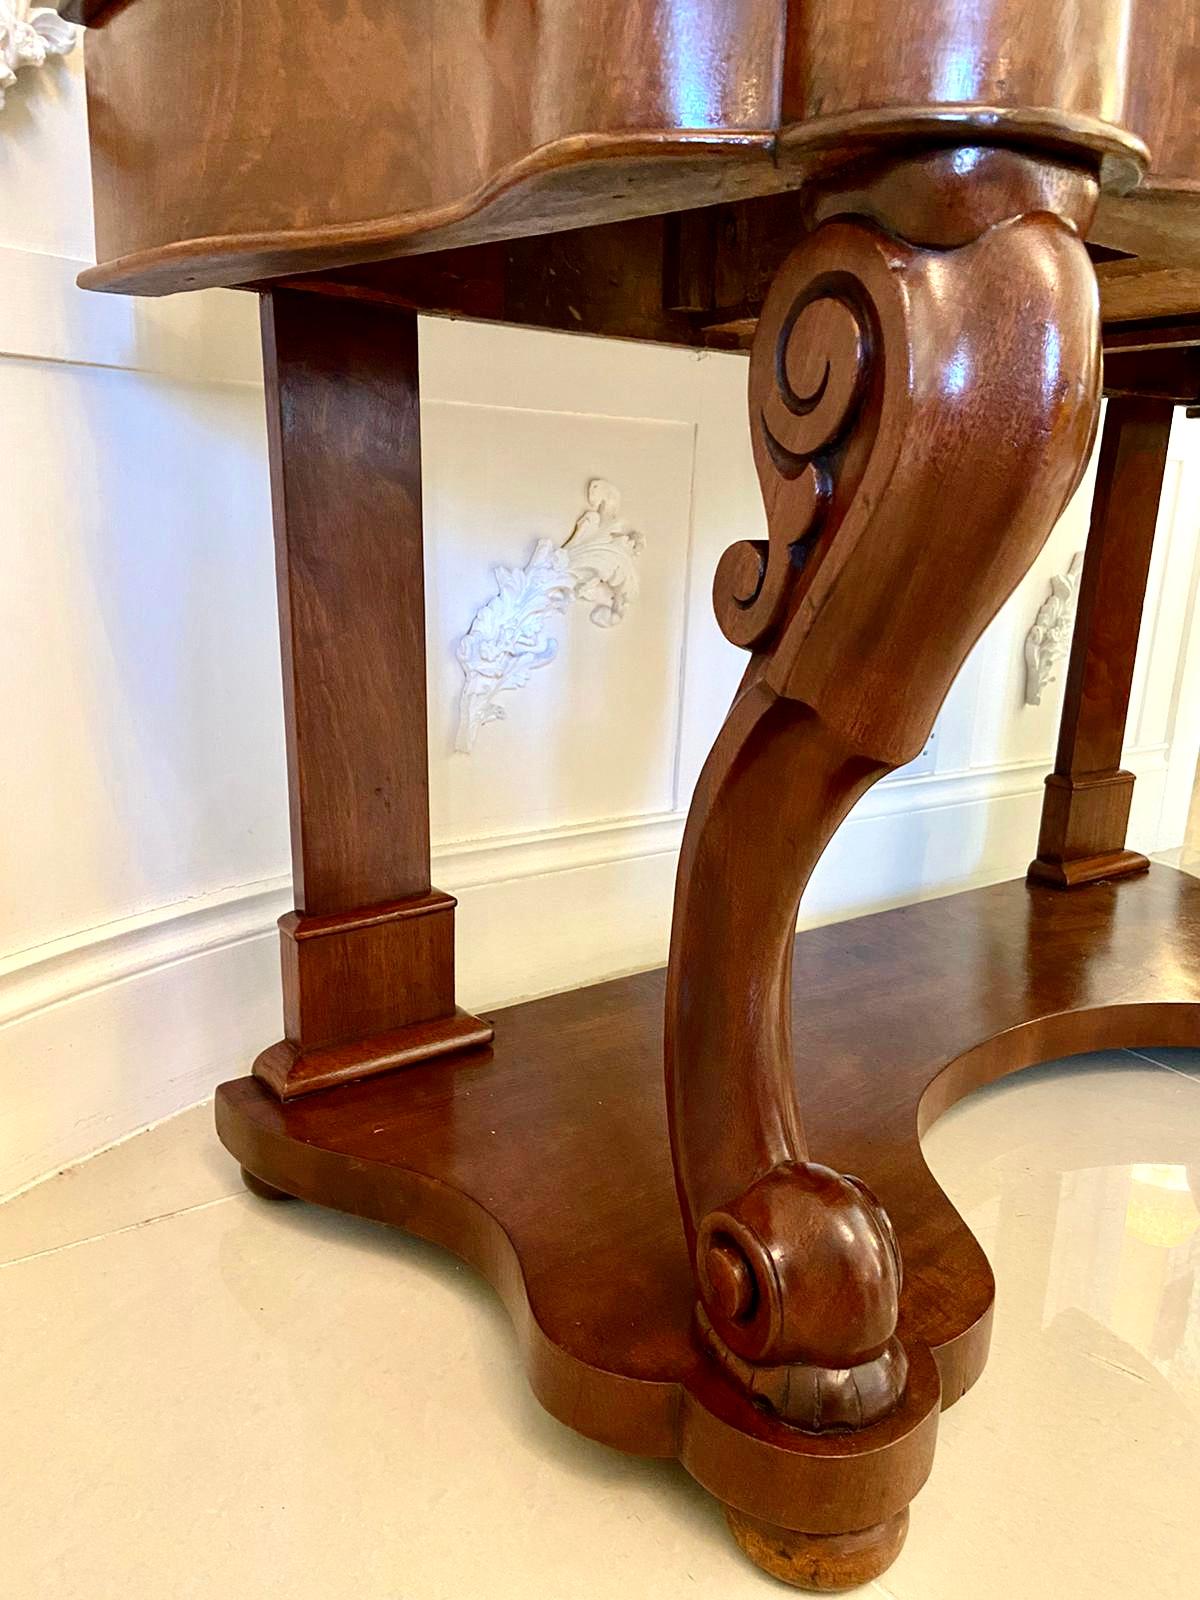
x,y
902,208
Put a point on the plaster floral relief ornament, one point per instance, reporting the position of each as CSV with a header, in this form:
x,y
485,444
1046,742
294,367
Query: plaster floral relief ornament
x,y
28,35
509,637
1047,641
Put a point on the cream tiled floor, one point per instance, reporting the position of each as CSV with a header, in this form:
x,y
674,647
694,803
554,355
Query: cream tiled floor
x,y
209,1396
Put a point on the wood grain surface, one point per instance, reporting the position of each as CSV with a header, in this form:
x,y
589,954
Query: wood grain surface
x,y
544,1163
368,953
233,141
939,305
1086,809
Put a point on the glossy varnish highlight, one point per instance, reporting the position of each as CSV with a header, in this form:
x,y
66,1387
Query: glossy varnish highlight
x,y
358,132
766,1283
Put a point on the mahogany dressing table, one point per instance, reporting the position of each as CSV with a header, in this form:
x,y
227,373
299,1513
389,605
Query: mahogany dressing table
x,y
920,217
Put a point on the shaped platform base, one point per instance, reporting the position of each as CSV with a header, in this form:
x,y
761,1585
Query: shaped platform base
x,y
543,1161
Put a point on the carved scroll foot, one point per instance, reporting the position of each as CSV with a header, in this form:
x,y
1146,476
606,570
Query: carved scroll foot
x,y
924,388
826,1562
841,1365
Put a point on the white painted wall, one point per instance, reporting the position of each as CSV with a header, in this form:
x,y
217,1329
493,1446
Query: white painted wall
x,y
143,828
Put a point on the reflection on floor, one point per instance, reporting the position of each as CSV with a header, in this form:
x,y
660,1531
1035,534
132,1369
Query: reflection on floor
x,y
208,1396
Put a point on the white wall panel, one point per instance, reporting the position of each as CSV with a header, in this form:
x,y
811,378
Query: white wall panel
x,y
141,719
1169,591
45,190
593,735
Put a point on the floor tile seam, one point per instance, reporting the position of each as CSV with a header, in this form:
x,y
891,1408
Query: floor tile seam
x,y
115,1233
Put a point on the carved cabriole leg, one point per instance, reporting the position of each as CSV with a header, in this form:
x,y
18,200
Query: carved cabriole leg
x,y
1086,809
924,387
368,954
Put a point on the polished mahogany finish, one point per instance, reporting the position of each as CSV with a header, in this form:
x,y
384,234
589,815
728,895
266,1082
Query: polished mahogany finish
x,y
564,1199
368,956
1088,795
916,213
876,393
362,132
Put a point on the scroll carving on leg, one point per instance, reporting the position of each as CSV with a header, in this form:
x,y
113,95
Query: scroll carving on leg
x,y
924,387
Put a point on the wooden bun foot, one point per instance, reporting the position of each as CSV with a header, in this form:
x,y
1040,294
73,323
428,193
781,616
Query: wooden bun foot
x,y
826,1562
264,1191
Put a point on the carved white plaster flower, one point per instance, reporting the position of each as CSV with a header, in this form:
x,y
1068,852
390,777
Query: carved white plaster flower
x,y
508,639
28,36
1050,636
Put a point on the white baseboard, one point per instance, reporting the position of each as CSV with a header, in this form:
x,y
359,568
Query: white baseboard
x,y
120,1025
64,970
102,1060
